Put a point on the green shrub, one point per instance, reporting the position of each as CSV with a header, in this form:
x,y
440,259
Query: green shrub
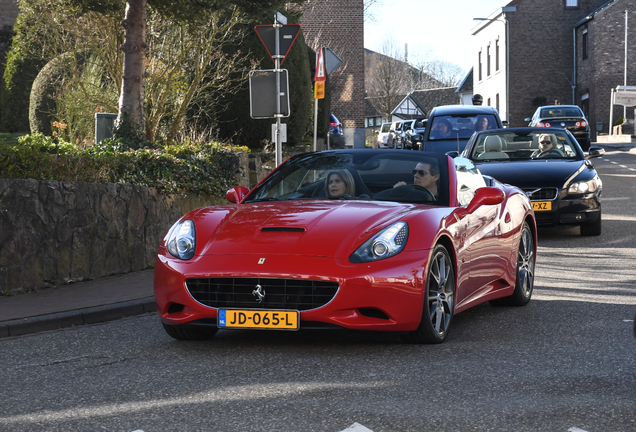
x,y
188,167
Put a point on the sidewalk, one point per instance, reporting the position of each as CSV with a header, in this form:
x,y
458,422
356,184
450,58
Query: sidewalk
x,y
76,304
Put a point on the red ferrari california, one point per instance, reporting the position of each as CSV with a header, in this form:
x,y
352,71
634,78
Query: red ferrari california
x,y
363,239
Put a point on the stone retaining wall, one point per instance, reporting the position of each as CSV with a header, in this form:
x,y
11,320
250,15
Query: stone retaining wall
x,y
52,233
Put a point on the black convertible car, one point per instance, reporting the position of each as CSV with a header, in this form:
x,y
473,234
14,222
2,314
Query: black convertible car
x,y
550,167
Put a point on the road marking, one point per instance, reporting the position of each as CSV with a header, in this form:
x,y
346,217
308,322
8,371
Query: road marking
x,y
575,429
356,427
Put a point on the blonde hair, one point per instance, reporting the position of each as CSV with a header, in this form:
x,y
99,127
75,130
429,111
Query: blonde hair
x,y
346,177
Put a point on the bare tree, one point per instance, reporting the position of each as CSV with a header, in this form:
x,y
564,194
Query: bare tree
x,y
446,73
389,77
368,6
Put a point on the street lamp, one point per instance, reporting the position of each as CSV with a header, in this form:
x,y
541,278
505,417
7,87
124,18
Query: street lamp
x,y
505,21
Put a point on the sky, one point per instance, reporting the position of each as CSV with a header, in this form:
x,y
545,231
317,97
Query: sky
x,y
433,29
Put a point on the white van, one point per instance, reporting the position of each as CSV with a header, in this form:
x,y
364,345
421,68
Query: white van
x,y
383,135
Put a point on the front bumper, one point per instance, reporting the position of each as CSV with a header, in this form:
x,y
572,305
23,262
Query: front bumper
x,y
570,210
385,295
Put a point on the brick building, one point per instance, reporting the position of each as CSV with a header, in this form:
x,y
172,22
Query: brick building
x,y
600,60
339,25
538,36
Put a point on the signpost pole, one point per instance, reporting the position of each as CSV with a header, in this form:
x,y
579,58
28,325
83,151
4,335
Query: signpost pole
x,y
279,150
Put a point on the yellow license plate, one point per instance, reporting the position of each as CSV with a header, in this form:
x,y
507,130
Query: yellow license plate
x,y
259,319
542,205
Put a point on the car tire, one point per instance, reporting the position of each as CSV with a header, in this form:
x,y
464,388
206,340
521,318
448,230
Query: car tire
x,y
524,282
439,300
592,229
187,333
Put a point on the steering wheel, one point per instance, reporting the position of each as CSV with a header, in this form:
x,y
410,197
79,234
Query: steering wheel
x,y
552,153
426,191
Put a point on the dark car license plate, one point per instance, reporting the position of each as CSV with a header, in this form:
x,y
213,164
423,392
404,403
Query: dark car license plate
x,y
542,205
259,319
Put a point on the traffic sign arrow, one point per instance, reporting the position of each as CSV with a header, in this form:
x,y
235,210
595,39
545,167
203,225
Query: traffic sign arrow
x,y
287,36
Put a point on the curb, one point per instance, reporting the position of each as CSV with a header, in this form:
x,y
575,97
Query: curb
x,y
77,317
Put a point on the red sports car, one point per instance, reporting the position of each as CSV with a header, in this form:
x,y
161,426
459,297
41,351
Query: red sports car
x,y
363,239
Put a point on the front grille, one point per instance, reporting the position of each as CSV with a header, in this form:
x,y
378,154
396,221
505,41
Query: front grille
x,y
296,294
542,194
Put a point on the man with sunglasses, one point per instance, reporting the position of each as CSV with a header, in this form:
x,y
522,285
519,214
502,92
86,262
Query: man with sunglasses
x,y
425,175
545,146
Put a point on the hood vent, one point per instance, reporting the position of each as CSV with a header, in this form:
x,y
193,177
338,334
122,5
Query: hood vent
x,y
282,229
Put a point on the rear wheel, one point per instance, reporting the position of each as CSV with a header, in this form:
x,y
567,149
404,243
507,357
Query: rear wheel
x,y
439,300
526,259
188,333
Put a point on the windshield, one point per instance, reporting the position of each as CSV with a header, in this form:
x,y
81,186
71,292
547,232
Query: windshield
x,y
560,112
453,127
387,175
510,145
385,127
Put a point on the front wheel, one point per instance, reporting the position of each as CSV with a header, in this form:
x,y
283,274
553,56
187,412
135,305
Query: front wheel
x,y
592,229
524,283
439,300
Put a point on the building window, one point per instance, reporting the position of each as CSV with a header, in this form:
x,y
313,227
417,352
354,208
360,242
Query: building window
x,y
584,44
497,55
571,4
497,101
480,75
488,60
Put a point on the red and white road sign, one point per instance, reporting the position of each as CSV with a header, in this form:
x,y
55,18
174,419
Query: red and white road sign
x,y
320,74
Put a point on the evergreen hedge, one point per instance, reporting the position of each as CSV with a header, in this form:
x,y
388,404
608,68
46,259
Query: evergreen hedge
x,y
189,167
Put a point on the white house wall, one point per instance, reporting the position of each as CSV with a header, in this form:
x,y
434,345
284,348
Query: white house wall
x,y
494,83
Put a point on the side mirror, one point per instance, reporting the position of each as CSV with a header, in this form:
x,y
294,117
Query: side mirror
x,y
594,152
452,154
486,196
236,194
505,123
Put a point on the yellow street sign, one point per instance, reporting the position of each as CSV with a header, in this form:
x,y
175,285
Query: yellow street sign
x,y
319,90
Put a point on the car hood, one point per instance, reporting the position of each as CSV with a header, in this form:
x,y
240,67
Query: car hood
x,y
530,174
317,228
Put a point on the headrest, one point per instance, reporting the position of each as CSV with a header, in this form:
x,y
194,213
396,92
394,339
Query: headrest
x,y
493,144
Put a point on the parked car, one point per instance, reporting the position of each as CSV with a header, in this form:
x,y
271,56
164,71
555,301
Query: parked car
x,y
383,135
406,125
395,132
560,179
418,127
284,256
450,126
569,117
336,137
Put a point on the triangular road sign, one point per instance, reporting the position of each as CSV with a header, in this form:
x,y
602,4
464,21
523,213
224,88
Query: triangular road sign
x,y
287,35
320,67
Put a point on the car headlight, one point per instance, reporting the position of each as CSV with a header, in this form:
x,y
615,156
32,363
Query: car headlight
x,y
182,239
387,243
584,187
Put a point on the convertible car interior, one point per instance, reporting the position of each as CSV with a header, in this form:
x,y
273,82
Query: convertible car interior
x,y
379,177
511,146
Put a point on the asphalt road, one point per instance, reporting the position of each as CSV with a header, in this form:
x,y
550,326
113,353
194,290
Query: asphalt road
x,y
565,362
